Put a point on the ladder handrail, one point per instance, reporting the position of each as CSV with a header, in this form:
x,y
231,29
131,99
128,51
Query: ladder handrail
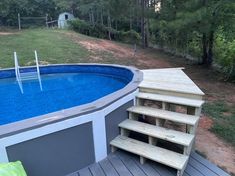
x,y
17,73
38,70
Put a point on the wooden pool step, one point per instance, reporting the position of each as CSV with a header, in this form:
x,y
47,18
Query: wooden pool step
x,y
158,132
170,99
163,114
147,151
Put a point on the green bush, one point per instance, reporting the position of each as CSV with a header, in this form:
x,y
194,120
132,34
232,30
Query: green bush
x,y
80,26
129,36
101,31
224,53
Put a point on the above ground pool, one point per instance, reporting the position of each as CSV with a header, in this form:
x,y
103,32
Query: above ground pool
x,y
64,86
67,123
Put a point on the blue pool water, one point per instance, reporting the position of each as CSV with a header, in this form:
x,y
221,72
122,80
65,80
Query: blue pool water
x,y
60,91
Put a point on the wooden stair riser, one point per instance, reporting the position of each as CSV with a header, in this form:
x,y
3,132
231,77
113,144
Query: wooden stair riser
x,y
170,99
170,93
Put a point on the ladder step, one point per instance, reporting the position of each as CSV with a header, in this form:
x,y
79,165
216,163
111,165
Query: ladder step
x,y
28,76
25,74
167,115
157,154
158,132
171,99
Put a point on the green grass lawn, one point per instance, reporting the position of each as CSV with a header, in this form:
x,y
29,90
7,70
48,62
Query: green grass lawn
x,y
52,46
224,119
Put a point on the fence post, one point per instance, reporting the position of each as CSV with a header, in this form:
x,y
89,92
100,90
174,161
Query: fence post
x,y
47,20
19,22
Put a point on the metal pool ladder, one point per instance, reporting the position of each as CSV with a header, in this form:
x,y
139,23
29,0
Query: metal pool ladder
x,y
23,76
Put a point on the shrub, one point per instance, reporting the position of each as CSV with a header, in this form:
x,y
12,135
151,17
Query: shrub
x,y
80,26
224,52
129,36
101,31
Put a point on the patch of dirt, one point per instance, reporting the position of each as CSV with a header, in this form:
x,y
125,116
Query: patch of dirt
x,y
124,54
6,33
216,150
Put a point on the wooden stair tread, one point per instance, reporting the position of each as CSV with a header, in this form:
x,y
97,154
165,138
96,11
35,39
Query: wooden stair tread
x,y
158,132
167,115
171,99
157,154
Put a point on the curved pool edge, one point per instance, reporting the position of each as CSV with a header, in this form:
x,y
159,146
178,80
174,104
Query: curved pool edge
x,y
42,120
69,139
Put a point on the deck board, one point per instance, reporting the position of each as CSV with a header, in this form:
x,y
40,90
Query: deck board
x,y
85,172
108,168
131,165
118,165
96,170
169,79
125,164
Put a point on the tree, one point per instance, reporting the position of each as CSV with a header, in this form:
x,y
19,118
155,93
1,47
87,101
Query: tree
x,y
189,20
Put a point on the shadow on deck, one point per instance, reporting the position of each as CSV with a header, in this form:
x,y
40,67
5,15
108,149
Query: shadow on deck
x,y
122,163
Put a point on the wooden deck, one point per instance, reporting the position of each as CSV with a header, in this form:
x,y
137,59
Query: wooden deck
x,y
170,81
122,163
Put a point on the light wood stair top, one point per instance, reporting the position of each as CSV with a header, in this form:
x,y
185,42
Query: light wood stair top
x,y
171,99
163,114
160,155
171,79
158,132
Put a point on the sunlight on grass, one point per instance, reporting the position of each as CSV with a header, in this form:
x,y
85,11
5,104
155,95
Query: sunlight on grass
x,y
53,47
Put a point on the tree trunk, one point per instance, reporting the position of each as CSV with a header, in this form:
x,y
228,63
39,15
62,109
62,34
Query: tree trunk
x,y
147,34
143,23
210,48
92,17
102,17
207,48
204,49
109,25
116,24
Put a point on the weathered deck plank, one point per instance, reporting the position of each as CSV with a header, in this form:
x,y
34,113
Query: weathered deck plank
x,y
108,168
85,172
209,165
131,165
125,164
118,165
96,170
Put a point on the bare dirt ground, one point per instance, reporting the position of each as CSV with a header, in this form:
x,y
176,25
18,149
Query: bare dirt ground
x,y
6,33
215,149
